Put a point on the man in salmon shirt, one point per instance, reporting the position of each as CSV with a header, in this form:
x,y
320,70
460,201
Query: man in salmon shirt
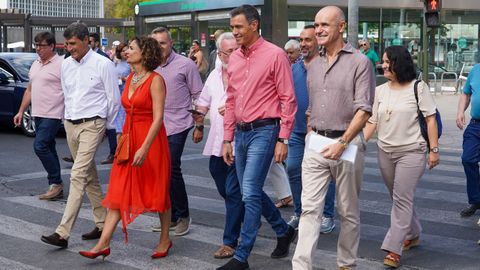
x,y
260,111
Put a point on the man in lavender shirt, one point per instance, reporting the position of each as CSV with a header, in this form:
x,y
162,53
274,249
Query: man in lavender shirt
x,y
183,85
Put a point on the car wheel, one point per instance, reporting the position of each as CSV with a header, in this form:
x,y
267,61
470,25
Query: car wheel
x,y
28,125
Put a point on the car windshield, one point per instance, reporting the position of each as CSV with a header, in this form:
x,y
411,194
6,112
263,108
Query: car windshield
x,y
22,63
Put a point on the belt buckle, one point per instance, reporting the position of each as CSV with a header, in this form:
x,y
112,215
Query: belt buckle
x,y
327,132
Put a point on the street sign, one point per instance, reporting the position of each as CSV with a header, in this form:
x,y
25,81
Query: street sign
x,y
104,42
462,43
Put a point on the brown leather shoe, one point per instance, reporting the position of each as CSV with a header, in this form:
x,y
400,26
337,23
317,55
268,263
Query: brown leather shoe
x,y
55,239
54,192
95,234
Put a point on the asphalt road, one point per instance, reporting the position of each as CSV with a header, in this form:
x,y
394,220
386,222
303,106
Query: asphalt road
x,y
447,242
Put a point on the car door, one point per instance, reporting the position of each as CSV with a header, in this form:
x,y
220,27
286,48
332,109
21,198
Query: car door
x,y
7,92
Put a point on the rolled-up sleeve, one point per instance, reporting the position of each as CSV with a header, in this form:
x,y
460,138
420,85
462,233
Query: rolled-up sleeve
x,y
229,118
194,81
364,87
286,94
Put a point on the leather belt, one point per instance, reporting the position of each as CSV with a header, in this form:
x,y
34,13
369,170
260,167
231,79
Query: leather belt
x,y
246,126
329,133
83,120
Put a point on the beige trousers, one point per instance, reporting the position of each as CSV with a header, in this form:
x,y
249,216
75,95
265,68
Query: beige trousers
x,y
401,173
317,173
83,141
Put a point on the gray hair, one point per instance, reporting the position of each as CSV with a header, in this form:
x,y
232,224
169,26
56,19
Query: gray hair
x,y
224,36
292,43
76,29
160,30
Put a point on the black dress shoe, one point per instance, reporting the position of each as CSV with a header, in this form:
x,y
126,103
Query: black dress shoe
x,y
68,159
283,244
469,211
55,240
234,264
95,234
108,160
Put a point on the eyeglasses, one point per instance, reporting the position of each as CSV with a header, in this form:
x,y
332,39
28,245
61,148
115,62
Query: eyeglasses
x,y
40,45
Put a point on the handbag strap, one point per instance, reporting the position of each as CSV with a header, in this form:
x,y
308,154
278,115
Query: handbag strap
x,y
415,91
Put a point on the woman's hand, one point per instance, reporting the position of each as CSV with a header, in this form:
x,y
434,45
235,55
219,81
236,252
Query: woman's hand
x,y
139,157
433,160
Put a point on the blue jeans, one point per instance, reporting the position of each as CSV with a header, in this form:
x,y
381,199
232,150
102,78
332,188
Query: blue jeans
x,y
44,146
178,193
470,159
229,188
112,140
254,152
296,148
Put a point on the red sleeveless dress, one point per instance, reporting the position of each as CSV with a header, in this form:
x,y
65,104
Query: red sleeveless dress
x,y
136,190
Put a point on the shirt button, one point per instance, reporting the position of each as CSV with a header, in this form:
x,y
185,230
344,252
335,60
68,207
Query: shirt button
x,y
324,90
323,105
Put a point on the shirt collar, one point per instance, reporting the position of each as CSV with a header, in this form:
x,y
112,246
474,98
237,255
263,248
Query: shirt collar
x,y
85,57
49,60
170,58
247,51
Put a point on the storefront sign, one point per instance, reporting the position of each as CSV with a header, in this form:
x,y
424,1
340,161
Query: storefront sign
x,y
158,7
203,40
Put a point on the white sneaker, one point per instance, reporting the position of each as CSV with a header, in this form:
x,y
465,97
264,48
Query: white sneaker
x,y
294,220
328,224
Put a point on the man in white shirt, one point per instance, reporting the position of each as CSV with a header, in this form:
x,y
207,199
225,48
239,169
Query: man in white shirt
x,y
92,100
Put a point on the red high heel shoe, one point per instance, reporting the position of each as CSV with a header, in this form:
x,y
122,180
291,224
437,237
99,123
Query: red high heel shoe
x,y
92,255
157,254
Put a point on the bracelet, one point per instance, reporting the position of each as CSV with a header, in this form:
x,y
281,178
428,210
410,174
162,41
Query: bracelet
x,y
226,142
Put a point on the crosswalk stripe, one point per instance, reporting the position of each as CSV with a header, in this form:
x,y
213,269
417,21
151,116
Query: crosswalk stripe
x,y
206,234
130,255
10,264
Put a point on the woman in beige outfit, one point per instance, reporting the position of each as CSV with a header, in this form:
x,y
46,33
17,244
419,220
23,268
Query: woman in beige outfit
x,y
402,153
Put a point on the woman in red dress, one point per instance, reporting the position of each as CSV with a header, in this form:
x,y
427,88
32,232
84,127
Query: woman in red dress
x,y
142,183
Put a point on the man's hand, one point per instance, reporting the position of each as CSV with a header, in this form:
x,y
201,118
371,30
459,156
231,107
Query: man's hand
x,y
198,118
333,151
228,153
461,120
281,151
17,120
221,110
197,135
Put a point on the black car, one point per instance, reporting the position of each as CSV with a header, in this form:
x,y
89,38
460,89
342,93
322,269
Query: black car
x,y
14,68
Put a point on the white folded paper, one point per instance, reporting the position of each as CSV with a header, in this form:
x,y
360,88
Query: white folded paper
x,y
317,142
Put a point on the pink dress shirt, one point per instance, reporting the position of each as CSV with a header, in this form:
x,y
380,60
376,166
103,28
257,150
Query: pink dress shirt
x,y
47,93
260,86
212,97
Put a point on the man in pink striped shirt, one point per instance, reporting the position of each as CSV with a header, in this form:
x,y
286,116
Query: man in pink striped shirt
x,y
260,110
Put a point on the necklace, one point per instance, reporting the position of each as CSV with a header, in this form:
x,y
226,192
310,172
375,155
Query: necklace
x,y
389,107
136,78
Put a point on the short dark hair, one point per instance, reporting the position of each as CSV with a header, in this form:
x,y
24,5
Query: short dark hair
x,y
151,52
119,49
309,26
47,37
401,63
95,36
76,29
250,12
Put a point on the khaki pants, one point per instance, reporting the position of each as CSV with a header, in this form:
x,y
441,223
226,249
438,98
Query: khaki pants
x,y
83,141
401,173
316,174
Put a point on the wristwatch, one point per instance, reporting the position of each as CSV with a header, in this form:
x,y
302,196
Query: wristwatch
x,y
282,140
227,142
343,143
199,127
434,149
